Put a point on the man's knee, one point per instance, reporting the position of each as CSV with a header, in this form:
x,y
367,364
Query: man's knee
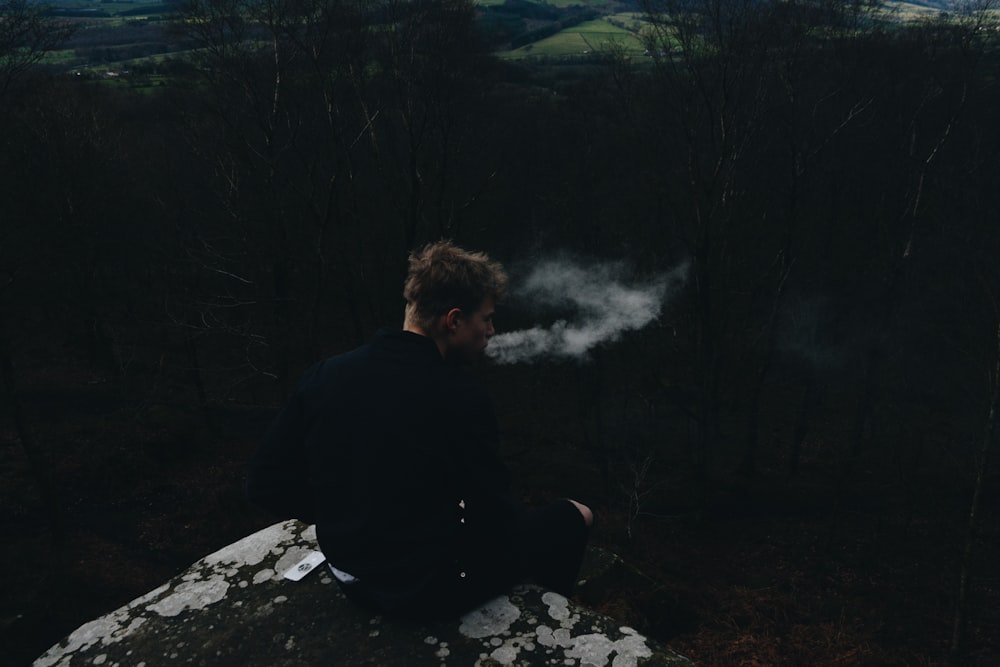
x,y
588,515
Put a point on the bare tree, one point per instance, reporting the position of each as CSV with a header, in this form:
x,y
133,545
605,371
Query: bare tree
x,y
959,620
336,138
279,141
35,454
26,35
742,119
710,60
431,60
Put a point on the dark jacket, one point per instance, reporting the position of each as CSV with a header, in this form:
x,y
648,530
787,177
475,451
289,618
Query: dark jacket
x,y
377,447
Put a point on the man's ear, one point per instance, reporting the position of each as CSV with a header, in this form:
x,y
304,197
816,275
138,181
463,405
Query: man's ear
x,y
452,318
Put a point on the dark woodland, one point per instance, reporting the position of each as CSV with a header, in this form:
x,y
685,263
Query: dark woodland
x,y
800,452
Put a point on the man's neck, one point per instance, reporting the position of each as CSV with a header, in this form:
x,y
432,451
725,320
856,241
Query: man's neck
x,y
410,324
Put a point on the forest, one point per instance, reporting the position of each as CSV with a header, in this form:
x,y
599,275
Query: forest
x,y
798,452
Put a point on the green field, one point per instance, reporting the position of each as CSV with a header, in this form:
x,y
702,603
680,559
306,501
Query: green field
x,y
906,12
561,4
586,38
112,12
117,34
111,35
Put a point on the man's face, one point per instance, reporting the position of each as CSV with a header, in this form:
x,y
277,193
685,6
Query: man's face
x,y
472,332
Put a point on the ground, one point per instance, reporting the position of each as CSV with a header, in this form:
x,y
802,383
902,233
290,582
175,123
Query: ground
x,y
769,572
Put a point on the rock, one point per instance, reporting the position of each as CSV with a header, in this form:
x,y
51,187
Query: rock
x,y
234,607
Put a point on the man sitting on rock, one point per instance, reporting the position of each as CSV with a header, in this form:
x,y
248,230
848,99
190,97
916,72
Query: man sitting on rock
x,y
391,450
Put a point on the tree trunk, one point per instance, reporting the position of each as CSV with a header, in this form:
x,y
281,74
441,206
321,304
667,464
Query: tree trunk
x,y
748,465
36,456
590,389
810,399
957,647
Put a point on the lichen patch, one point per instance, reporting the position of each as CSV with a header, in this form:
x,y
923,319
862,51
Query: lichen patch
x,y
261,576
105,630
191,595
489,620
253,549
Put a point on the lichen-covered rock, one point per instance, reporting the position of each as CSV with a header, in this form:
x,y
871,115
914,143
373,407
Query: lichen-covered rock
x,y
235,607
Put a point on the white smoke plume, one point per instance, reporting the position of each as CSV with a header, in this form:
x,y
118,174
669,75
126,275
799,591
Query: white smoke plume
x,y
602,304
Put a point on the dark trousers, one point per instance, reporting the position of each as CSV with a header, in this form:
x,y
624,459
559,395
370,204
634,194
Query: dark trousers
x,y
544,545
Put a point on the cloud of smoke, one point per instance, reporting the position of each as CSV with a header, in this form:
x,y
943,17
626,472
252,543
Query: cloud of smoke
x,y
601,304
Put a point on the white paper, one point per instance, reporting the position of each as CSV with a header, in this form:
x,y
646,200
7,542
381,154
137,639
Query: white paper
x,y
313,560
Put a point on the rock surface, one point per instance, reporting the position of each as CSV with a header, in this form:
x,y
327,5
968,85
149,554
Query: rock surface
x,y
234,607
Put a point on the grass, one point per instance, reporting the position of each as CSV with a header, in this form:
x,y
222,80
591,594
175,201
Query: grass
x,y
561,4
586,38
128,29
60,57
907,11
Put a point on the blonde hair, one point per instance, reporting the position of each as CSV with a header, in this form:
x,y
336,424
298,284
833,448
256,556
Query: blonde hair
x,y
443,276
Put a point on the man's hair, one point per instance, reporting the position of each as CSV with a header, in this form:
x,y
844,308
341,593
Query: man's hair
x,y
443,276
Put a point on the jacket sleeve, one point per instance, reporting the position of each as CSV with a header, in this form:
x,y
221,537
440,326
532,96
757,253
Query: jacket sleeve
x,y
278,475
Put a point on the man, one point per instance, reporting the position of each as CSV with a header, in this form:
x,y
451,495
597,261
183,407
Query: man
x,y
391,450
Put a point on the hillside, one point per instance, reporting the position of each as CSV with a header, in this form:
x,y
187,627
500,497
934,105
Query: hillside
x,y
132,37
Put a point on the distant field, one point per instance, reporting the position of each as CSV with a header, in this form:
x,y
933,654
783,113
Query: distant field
x,y
908,11
555,3
119,34
624,28
110,10
588,37
111,35
922,11
566,3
